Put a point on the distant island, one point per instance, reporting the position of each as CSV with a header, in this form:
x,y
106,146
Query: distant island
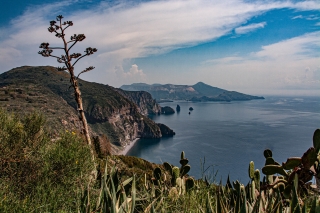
x,y
198,92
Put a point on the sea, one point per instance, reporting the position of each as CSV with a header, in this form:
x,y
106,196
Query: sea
x,y
221,138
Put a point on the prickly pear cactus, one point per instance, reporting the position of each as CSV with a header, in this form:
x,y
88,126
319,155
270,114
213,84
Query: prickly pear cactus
x,y
267,153
251,170
175,175
168,167
184,170
316,140
182,155
157,173
256,179
189,184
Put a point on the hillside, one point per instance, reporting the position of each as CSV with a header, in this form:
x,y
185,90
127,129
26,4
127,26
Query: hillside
x,y
122,117
197,92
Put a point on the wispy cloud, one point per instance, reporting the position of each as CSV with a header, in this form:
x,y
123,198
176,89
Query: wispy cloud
x,y
292,63
130,30
250,28
298,17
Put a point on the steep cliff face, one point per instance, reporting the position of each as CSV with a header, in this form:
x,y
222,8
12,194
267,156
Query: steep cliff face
x,y
146,104
123,124
46,90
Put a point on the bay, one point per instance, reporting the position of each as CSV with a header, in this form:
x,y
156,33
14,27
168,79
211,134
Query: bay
x,y
228,135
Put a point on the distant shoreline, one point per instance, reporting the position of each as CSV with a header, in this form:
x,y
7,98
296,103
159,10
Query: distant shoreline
x,y
128,147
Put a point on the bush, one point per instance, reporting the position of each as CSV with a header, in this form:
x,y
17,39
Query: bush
x,y
37,172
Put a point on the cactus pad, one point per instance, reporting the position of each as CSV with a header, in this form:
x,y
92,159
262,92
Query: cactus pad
x,y
267,153
257,179
291,163
189,184
316,140
309,157
251,170
274,169
184,170
167,167
184,162
157,173
175,172
182,155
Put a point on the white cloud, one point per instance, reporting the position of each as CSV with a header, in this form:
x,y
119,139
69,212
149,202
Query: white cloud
x,y
249,28
131,30
289,64
298,17
134,75
225,60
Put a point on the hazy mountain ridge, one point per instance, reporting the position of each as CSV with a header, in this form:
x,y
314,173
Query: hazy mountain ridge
x,y
108,110
197,92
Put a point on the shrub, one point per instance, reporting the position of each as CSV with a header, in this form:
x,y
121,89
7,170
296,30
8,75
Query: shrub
x,y
37,172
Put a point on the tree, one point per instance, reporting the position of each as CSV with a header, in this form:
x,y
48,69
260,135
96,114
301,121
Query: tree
x,y
58,27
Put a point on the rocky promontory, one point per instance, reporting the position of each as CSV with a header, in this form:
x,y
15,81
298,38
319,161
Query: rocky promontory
x,y
109,111
167,110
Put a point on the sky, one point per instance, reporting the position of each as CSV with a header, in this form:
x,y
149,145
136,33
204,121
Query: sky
x,y
258,47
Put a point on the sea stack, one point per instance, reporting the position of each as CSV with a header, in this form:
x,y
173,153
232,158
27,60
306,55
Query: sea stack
x,y
178,108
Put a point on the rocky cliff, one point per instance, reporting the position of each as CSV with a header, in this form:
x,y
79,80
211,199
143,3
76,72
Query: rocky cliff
x,y
144,101
46,90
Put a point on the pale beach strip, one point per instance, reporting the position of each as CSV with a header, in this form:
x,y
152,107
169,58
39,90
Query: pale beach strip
x,y
128,147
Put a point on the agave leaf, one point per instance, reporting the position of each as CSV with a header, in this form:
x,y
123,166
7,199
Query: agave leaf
x,y
209,208
124,183
244,204
291,163
315,207
228,185
295,207
150,208
133,194
218,201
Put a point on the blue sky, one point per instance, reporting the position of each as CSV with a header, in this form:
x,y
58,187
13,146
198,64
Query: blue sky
x,y
255,47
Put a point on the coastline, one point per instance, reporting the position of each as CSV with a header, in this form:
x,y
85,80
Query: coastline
x,y
128,147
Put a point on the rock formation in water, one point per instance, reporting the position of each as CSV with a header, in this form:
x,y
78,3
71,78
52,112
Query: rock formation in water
x,y
178,108
167,110
165,130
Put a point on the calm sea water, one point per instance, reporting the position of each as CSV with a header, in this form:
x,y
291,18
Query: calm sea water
x,y
230,135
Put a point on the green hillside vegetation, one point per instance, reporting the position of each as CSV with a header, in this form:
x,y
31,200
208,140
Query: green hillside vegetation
x,y
26,89
45,173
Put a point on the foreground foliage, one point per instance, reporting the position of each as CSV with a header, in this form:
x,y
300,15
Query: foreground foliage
x,y
41,174
37,173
